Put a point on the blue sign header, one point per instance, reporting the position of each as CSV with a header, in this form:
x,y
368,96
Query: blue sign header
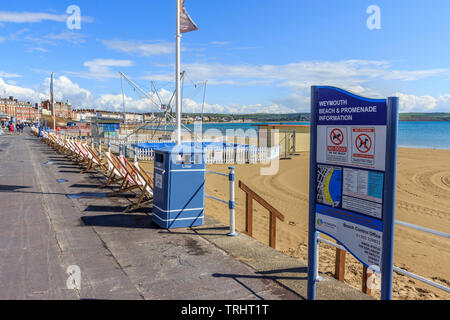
x,y
338,107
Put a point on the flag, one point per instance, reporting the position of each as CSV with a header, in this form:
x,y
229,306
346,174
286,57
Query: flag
x,y
186,23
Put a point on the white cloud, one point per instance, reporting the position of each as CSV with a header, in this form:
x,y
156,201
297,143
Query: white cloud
x,y
18,92
302,74
32,49
102,68
413,103
36,17
220,43
69,36
159,77
115,103
140,48
30,17
65,89
406,75
4,74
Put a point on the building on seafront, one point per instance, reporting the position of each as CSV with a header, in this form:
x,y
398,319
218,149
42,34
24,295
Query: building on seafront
x,y
21,110
62,109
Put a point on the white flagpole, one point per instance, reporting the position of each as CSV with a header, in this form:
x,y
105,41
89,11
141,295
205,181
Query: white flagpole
x,y
177,76
53,104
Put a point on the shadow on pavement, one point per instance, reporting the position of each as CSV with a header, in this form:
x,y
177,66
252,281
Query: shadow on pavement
x,y
97,208
120,221
7,188
264,275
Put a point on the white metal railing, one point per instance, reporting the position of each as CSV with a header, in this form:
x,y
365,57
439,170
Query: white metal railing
x,y
231,202
397,269
220,155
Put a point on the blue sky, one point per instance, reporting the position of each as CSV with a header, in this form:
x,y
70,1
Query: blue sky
x,y
257,55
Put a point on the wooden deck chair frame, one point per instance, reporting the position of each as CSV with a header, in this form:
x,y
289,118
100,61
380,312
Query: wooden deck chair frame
x,y
60,145
127,176
51,141
75,153
115,174
129,182
68,148
145,187
94,161
83,154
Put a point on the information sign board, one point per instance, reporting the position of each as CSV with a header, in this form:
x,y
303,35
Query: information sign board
x,y
352,174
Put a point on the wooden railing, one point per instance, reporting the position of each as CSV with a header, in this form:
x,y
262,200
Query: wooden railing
x,y
274,214
339,270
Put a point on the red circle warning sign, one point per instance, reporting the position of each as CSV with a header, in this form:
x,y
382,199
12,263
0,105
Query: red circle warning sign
x,y
363,143
336,136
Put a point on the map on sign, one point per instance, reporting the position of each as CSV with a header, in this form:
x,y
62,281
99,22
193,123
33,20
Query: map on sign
x,y
329,181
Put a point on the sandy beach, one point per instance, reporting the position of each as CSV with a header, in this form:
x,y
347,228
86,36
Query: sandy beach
x,y
423,198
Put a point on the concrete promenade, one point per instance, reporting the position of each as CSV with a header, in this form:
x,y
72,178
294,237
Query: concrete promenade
x,y
43,232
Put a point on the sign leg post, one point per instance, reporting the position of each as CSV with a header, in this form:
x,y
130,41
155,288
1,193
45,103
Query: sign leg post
x,y
312,264
389,216
312,233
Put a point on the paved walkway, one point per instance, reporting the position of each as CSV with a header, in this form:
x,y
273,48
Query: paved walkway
x,y
44,234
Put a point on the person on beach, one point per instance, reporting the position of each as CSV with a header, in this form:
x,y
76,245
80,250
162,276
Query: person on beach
x,y
11,129
17,128
21,126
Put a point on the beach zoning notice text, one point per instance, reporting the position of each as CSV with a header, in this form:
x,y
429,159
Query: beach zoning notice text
x,y
351,153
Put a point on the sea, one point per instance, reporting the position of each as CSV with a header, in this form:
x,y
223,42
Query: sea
x,y
411,134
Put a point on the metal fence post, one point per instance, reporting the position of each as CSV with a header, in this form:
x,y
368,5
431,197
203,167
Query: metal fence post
x,y
100,148
318,277
232,204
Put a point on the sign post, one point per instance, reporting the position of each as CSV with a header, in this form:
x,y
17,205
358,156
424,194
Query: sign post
x,y
352,179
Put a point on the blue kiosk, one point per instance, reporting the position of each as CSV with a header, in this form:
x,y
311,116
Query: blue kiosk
x,y
179,187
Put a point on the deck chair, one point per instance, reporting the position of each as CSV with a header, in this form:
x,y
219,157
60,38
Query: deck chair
x,y
66,147
51,140
60,144
120,173
130,181
70,148
94,161
83,155
115,173
145,185
74,153
48,138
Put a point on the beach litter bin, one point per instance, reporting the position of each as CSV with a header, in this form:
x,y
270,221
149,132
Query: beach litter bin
x,y
179,187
